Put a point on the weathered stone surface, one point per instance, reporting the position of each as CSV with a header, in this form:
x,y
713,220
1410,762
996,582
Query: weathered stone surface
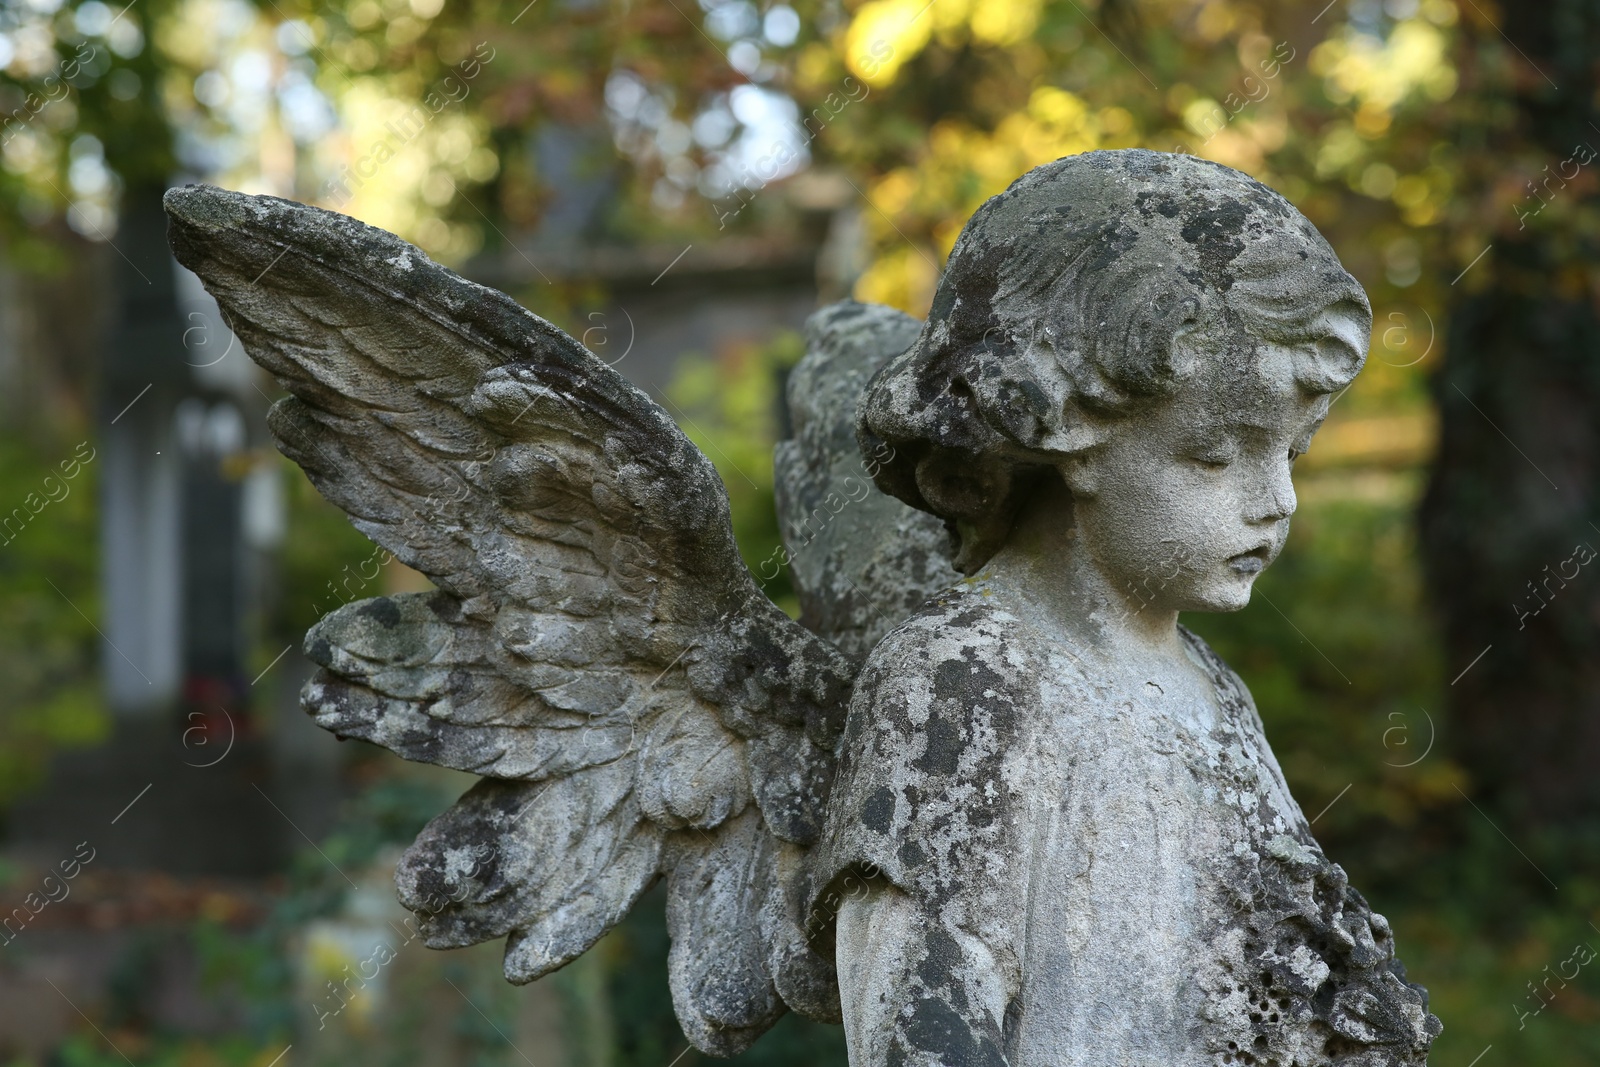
x,y
1113,883
862,560
596,649
1091,287
1029,821
1080,848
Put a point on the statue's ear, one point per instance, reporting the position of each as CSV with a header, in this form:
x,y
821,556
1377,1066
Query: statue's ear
x,y
961,484
1027,399
1023,411
1081,471
1075,449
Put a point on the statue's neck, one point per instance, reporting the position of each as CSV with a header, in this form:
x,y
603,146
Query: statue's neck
x,y
1045,569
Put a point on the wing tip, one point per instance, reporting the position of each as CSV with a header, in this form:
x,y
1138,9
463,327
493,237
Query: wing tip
x,y
203,207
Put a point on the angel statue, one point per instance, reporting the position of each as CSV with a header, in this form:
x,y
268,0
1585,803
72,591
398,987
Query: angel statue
x,y
985,803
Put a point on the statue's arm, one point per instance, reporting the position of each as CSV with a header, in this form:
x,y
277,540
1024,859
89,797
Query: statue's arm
x,y
921,876
916,991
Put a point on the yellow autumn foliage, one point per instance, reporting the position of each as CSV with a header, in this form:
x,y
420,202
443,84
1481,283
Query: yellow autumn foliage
x,y
961,167
887,34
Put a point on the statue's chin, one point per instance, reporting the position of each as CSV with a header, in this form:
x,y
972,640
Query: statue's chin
x,y
1227,593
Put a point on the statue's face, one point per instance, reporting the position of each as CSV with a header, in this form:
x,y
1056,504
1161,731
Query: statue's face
x,y
1184,505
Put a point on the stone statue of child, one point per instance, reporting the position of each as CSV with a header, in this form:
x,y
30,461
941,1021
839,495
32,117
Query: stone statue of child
x,y
1004,814
1083,851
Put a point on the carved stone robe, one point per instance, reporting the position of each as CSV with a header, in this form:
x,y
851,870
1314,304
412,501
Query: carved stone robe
x,y
1099,877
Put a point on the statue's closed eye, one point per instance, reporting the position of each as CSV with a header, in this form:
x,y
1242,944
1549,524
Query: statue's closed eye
x,y
1215,460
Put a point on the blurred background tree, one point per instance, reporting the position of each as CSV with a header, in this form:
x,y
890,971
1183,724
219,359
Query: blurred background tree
x,y
1512,500
1435,143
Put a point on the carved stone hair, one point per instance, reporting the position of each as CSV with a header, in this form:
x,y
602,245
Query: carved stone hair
x,y
1091,287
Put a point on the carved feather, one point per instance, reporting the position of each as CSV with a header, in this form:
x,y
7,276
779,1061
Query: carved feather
x,y
861,560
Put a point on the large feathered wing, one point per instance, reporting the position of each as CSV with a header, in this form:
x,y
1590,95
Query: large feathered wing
x,y
595,649
861,560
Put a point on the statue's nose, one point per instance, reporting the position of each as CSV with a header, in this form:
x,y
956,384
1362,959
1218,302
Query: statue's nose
x,y
1274,499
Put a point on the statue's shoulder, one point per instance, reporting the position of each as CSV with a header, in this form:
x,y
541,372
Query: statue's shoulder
x,y
1206,655
962,659
933,765
1231,690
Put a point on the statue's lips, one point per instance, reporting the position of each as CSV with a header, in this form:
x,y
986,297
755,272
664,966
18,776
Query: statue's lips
x,y
1251,562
